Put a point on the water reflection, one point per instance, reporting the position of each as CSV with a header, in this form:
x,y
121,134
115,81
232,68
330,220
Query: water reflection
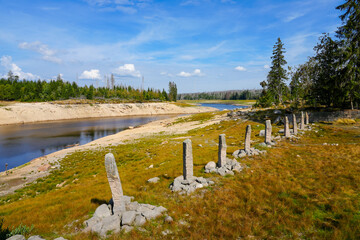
x,y
22,143
222,106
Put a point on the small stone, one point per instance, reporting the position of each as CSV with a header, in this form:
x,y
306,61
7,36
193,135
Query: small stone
x,y
151,166
128,217
221,171
199,145
151,214
60,238
102,211
166,232
210,165
262,133
168,219
153,180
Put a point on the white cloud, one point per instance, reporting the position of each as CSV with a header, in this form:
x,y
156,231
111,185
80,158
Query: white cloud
x,y
266,66
195,73
92,74
293,16
166,74
127,70
240,68
47,53
6,62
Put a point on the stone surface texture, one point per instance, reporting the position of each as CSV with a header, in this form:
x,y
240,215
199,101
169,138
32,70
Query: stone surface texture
x,y
222,151
295,130
247,138
188,171
302,122
16,237
114,182
286,128
306,118
268,132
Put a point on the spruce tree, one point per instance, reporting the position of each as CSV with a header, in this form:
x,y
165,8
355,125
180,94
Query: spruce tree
x,y
349,35
277,75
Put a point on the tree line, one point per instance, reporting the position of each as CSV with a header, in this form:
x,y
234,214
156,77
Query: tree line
x,y
13,88
330,78
222,95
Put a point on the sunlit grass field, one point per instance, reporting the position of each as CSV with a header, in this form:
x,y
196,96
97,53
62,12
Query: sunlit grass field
x,y
300,189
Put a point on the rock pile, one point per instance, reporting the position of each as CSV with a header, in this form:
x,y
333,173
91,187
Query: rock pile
x,y
134,214
121,213
188,183
247,151
224,166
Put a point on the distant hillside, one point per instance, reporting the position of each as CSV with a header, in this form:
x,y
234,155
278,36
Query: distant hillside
x,y
222,95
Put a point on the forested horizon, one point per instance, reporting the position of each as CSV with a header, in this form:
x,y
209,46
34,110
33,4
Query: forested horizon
x,y
14,89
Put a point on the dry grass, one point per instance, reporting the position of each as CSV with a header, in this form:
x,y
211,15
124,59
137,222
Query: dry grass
x,y
298,190
345,121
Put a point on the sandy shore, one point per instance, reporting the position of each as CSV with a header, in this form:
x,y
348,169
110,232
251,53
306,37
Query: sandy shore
x,y
20,113
40,167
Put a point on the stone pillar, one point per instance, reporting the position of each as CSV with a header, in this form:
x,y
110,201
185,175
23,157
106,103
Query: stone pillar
x,y
247,138
306,118
222,151
188,171
302,126
268,130
294,125
286,128
114,182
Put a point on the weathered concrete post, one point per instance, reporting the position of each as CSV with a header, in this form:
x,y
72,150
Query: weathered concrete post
x,y
295,130
306,118
286,127
114,182
268,130
302,126
247,138
188,171
222,151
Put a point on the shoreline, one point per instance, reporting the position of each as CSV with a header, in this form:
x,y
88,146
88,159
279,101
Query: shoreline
x,y
27,173
27,113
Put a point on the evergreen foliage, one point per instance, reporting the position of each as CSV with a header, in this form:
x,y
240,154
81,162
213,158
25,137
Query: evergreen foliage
x,y
172,91
30,91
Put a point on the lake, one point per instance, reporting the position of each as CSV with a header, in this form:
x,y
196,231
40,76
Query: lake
x,y
20,144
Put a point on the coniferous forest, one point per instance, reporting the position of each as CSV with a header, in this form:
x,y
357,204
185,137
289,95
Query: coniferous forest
x,y
330,78
13,88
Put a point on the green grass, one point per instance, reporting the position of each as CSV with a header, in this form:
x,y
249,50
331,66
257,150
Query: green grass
x,y
298,190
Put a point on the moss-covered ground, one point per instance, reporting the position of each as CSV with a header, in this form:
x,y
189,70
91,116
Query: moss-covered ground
x,y
299,189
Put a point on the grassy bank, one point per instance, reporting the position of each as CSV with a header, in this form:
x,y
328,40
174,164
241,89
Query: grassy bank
x,y
299,189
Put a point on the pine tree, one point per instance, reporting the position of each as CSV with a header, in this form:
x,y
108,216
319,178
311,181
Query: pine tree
x,y
277,75
349,35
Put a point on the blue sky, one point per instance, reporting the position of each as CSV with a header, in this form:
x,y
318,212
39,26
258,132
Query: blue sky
x,y
201,45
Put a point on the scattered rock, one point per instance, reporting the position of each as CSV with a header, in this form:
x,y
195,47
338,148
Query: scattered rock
x,y
153,180
189,185
151,166
166,232
60,238
102,211
262,133
128,218
168,219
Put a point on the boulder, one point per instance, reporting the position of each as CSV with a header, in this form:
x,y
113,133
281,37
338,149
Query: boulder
x,y
128,217
102,211
126,228
16,237
60,238
151,214
168,219
139,220
210,165
110,223
37,237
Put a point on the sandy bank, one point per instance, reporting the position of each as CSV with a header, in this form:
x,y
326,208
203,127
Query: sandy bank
x,y
20,113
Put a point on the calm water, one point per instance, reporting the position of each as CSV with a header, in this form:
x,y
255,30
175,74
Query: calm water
x,y
222,106
21,143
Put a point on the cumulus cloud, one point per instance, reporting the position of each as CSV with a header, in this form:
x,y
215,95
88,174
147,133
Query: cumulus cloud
x,y
7,63
195,73
240,68
92,74
47,53
127,70
266,66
